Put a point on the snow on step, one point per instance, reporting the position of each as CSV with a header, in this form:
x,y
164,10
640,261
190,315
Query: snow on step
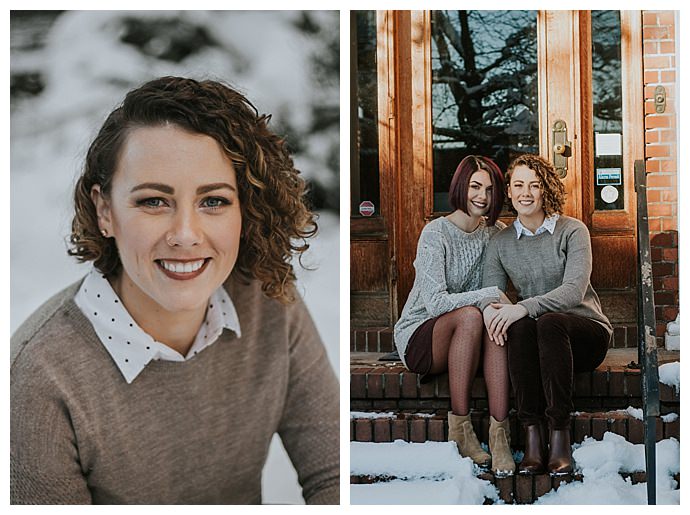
x,y
614,454
370,415
671,417
434,473
669,374
405,460
416,464
359,415
601,462
449,491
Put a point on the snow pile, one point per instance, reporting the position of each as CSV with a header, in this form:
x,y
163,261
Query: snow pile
x,y
669,374
433,473
601,462
427,473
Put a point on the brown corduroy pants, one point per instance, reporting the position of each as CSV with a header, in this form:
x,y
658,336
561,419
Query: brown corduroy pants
x,y
543,356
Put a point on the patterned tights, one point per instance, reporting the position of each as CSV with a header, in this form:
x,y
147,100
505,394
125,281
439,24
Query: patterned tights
x,y
459,344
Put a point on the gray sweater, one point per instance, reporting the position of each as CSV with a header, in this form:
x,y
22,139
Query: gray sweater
x,y
448,275
551,272
191,432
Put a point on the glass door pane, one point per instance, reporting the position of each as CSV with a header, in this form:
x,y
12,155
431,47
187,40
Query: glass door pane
x,y
364,115
607,103
484,89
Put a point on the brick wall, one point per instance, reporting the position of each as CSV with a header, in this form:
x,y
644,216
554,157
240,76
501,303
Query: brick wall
x,y
660,67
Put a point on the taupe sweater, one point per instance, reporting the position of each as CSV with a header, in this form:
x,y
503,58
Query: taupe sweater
x,y
192,432
551,272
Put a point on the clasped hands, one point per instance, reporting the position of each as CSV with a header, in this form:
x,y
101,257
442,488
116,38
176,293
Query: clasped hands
x,y
499,316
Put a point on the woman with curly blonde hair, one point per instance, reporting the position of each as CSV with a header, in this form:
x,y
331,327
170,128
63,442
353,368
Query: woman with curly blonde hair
x,y
162,376
557,327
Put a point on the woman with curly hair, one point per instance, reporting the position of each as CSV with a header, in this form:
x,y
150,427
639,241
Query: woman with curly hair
x,y
557,328
441,328
162,376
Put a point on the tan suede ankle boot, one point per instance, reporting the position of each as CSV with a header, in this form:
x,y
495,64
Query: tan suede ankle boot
x,y
461,432
502,463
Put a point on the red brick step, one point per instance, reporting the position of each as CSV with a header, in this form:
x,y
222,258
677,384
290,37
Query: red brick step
x,y
380,339
418,427
384,386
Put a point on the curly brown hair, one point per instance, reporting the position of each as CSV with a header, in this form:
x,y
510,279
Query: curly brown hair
x,y
552,189
275,218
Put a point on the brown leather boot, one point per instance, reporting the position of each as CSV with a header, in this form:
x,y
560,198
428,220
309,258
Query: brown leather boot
x,y
534,461
560,457
461,432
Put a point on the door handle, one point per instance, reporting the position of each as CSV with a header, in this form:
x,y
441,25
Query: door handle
x,y
562,148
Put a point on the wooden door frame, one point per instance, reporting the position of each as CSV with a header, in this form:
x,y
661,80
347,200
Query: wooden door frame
x,y
371,238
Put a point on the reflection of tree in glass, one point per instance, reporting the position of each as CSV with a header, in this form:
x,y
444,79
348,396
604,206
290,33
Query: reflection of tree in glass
x,y
366,80
367,109
606,71
484,92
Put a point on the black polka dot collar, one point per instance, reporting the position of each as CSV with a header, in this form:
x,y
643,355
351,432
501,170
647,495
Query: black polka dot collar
x,y
128,344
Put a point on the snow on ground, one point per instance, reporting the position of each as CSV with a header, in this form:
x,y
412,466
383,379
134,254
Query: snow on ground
x,y
435,473
601,462
319,283
669,374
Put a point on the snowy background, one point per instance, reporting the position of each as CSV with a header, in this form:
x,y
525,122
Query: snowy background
x,y
70,69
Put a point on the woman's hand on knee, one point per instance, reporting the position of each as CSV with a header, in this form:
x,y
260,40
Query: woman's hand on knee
x,y
490,314
505,316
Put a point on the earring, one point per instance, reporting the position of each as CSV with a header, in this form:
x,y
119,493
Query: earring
x,y
104,233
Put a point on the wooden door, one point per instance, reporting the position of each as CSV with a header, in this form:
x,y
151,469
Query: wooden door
x,y
373,163
591,79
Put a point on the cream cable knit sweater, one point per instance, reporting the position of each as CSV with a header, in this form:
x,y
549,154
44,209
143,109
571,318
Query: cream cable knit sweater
x,y
448,275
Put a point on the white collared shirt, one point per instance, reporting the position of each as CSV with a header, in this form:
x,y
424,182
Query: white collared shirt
x,y
128,344
549,224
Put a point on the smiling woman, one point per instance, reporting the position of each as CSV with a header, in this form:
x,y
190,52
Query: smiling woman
x,y
162,376
188,227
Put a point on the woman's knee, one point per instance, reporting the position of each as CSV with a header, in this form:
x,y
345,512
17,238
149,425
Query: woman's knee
x,y
523,328
552,322
466,321
470,317
465,316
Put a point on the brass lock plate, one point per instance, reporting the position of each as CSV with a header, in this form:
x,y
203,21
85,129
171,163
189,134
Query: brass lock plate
x,y
561,148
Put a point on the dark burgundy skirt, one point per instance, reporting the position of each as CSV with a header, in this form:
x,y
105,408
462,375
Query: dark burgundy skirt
x,y
418,355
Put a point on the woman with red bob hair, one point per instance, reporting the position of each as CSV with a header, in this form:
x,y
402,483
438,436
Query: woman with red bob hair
x,y
441,327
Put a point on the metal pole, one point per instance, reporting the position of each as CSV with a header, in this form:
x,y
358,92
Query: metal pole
x,y
646,330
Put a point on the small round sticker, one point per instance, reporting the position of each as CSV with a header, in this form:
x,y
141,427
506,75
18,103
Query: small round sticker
x,y
609,194
366,208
